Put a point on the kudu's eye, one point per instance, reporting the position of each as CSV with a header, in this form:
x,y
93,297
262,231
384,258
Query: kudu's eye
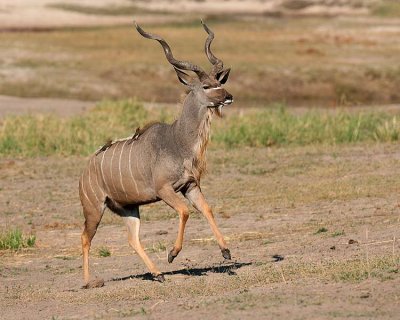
x,y
206,86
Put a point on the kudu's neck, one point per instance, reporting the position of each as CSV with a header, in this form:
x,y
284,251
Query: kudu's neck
x,y
193,128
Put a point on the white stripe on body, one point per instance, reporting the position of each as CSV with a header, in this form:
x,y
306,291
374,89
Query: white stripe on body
x,y
120,171
83,189
97,178
102,170
111,170
130,169
90,181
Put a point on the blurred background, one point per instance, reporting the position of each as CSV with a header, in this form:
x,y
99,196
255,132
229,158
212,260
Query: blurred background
x,y
313,53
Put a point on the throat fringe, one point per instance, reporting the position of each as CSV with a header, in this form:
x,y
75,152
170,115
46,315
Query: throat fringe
x,y
199,163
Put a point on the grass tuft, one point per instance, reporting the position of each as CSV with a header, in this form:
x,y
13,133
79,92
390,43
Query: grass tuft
x,y
104,252
157,247
321,230
338,233
15,240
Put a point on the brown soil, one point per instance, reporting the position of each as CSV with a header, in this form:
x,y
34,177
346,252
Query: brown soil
x,y
271,204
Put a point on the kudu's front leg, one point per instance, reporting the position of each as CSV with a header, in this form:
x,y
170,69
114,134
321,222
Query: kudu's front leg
x,y
168,195
199,202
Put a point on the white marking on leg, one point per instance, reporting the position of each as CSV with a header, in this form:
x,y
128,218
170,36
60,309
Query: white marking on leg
x,y
130,169
133,226
120,171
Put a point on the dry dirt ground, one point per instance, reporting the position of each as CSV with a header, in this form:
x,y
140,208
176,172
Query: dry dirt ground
x,y
313,232
62,107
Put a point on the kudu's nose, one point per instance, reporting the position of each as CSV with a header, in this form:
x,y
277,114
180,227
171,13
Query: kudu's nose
x,y
228,99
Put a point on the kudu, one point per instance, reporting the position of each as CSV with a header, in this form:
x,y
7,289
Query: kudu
x,y
158,162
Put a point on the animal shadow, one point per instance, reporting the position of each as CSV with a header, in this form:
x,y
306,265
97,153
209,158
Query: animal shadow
x,y
229,269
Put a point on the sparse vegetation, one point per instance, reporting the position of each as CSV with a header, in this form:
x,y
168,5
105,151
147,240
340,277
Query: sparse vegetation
x,y
157,247
356,270
15,240
387,8
321,230
338,233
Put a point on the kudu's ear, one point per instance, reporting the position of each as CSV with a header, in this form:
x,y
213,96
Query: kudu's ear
x,y
223,76
183,77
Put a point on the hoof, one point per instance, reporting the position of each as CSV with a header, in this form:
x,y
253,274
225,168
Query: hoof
x,y
97,283
171,256
226,254
159,278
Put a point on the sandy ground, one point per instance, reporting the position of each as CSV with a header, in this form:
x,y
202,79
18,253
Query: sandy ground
x,y
62,107
38,14
32,14
269,204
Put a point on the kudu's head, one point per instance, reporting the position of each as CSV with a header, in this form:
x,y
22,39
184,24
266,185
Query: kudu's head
x,y
207,88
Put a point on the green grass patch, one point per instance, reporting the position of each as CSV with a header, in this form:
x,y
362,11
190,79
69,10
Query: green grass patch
x,y
43,135
104,252
338,233
281,127
321,230
387,8
15,240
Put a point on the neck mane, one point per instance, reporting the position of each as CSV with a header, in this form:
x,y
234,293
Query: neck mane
x,y
194,127
200,148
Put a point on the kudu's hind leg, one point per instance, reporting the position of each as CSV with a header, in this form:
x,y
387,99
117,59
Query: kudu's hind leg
x,y
199,202
92,220
168,195
132,221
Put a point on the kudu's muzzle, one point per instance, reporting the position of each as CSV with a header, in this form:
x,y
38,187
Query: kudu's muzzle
x,y
228,99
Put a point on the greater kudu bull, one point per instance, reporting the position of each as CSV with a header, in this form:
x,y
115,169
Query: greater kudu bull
x,y
158,162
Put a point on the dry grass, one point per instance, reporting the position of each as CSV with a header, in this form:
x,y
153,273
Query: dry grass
x,y
297,61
